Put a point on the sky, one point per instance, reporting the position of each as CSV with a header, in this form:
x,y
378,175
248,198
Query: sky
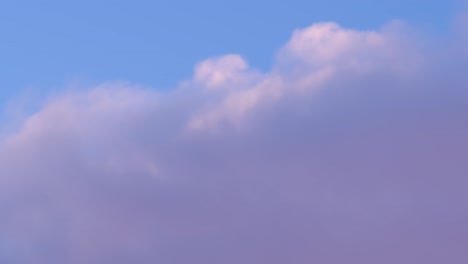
x,y
51,43
246,132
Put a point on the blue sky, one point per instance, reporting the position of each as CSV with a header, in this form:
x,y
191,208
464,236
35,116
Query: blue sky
x,y
47,44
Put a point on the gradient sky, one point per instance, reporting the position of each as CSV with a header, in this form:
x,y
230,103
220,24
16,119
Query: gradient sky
x,y
51,43
225,133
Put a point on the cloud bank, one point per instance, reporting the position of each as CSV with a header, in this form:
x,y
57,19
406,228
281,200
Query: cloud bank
x,y
351,149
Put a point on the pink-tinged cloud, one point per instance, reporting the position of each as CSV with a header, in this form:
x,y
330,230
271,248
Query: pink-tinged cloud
x,y
352,149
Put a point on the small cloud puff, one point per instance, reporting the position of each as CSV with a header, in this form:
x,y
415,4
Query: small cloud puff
x,y
217,72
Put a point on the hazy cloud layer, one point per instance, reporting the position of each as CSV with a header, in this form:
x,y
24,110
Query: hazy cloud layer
x,y
352,149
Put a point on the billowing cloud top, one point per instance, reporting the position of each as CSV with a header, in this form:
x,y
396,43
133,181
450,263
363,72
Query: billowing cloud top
x,y
351,149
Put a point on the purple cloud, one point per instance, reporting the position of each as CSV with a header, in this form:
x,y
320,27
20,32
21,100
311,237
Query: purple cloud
x,y
352,149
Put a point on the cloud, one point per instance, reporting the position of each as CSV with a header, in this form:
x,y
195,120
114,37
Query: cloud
x,y
219,72
312,58
351,149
